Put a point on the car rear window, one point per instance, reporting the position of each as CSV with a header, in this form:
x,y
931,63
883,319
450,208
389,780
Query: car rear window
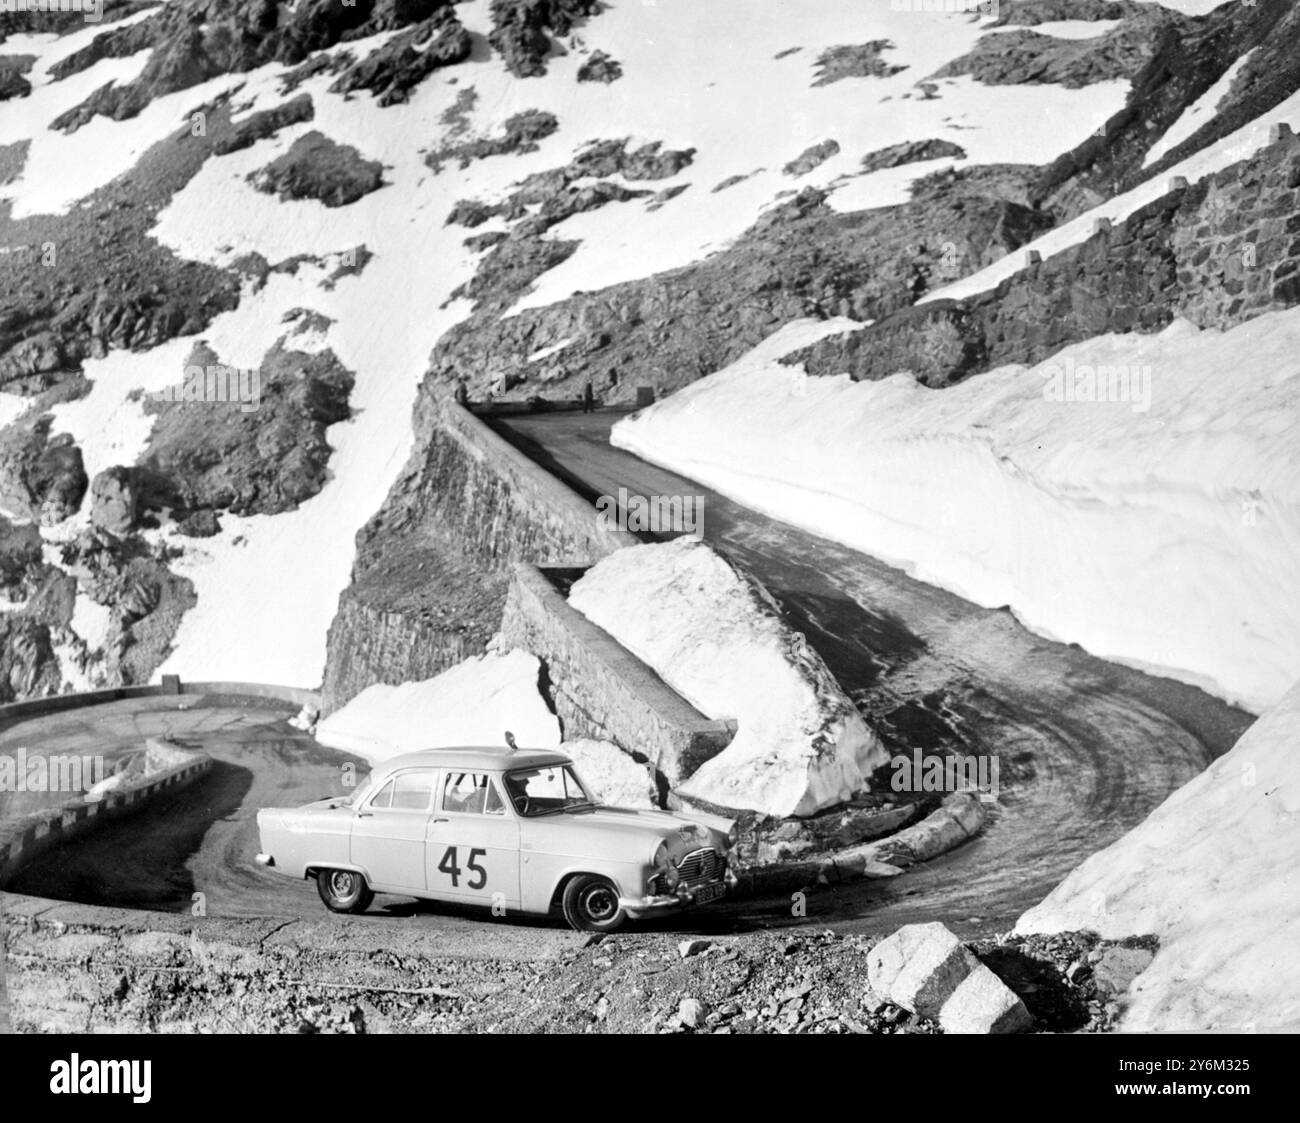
x,y
412,791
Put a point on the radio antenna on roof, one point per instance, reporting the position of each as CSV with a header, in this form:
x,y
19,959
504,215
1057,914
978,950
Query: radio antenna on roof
x,y
510,740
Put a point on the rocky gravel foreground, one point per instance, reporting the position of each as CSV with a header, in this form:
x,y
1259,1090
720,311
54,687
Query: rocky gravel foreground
x,y
792,981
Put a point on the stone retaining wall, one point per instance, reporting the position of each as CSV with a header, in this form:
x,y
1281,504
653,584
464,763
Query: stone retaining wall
x,y
432,566
600,689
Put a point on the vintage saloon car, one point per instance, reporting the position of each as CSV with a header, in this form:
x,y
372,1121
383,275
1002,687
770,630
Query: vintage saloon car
x,y
514,829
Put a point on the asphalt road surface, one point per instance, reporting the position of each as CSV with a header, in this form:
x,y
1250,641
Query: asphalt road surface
x,y
1085,748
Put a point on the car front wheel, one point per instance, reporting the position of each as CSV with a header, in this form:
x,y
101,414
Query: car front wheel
x,y
343,890
591,904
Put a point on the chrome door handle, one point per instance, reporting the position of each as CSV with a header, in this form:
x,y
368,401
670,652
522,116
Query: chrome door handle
x,y
439,820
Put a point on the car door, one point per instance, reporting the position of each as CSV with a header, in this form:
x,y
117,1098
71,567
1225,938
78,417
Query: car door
x,y
390,828
473,845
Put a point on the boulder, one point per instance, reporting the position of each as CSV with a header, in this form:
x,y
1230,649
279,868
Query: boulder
x,y
113,501
1119,966
982,1003
927,970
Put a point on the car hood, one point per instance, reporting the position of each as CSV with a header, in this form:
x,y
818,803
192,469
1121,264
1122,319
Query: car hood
x,y
636,833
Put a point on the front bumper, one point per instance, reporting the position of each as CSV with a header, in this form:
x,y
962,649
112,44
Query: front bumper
x,y
640,907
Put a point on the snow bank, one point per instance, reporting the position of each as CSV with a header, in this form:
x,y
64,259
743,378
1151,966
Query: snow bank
x,y
473,703
1163,530
1212,872
612,777
716,637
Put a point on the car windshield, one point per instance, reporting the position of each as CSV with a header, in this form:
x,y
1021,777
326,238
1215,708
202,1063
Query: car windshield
x,y
545,791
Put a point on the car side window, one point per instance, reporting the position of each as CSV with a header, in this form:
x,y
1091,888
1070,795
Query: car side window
x,y
413,791
471,793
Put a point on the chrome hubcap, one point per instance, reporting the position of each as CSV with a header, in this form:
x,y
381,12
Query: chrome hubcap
x,y
600,902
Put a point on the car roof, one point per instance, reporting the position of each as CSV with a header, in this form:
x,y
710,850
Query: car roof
x,y
490,758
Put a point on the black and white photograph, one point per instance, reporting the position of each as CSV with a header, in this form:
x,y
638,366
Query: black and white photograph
x,y
650,517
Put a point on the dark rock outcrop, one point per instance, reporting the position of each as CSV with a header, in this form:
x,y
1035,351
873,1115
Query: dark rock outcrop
x,y
1021,56
1217,253
28,665
146,600
522,133
94,279
520,30
800,259
195,40
862,60
41,476
812,157
113,501
600,67
265,123
266,459
911,152
12,82
316,167
392,71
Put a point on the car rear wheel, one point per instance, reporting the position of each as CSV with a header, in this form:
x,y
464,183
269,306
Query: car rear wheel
x,y
343,890
591,904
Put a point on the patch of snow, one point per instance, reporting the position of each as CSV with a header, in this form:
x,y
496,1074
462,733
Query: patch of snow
x,y
469,705
12,406
719,641
90,621
612,777
1212,873
547,352
1162,530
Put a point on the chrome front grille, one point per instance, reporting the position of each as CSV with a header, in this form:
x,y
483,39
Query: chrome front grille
x,y
699,867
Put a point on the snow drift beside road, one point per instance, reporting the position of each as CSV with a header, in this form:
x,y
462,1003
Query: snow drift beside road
x,y
1164,532
1213,873
717,639
474,703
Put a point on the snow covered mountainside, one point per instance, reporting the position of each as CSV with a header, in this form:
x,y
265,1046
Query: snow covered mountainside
x,y
318,199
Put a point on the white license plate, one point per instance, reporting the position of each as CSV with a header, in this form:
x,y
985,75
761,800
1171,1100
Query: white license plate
x,y
706,893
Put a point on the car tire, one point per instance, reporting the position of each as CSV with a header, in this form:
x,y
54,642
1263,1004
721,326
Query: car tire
x,y
591,904
343,890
